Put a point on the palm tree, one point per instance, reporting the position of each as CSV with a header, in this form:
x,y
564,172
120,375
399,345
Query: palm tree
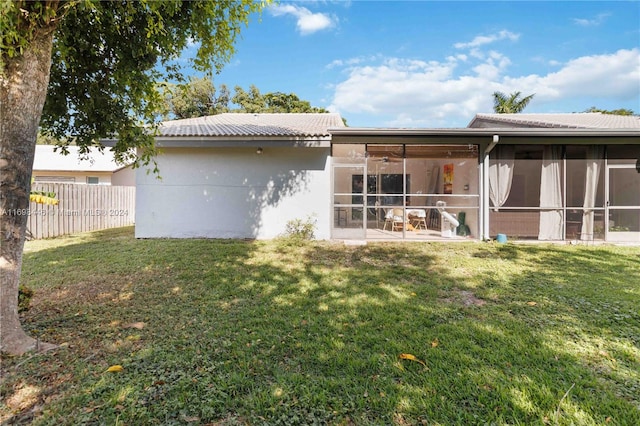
x,y
511,104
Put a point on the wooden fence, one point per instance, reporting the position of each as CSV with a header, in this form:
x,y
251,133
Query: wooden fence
x,y
81,208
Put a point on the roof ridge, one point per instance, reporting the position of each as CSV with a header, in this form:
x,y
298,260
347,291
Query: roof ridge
x,y
230,124
578,120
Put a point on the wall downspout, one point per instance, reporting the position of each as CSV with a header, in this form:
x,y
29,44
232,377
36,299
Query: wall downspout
x,y
485,188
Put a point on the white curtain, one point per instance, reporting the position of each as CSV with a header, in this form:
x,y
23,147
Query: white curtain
x,y
595,155
501,174
551,194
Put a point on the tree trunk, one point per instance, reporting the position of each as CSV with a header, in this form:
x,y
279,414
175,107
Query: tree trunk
x,y
23,88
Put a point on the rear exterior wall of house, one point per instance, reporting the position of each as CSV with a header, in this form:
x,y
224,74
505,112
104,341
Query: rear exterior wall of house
x,y
233,192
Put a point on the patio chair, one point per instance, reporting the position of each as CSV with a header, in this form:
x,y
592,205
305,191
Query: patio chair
x,y
394,217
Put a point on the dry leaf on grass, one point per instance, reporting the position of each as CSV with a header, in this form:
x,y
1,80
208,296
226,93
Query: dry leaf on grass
x,y
115,369
412,357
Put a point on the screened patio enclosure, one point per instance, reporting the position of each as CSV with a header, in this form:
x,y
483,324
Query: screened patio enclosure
x,y
461,184
405,191
565,192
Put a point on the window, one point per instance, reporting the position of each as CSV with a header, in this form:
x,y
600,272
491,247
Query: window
x,y
93,180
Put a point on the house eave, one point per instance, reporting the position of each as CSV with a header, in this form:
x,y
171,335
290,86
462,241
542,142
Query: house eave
x,y
236,141
485,135
76,170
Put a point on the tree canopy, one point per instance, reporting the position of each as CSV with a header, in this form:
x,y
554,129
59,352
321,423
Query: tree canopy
x,y
619,111
510,104
103,80
96,63
196,98
199,97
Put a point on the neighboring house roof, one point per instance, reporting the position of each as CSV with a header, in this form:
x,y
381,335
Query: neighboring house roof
x,y
584,120
96,161
253,125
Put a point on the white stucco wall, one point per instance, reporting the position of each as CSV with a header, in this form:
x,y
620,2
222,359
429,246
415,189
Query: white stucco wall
x,y
124,177
233,192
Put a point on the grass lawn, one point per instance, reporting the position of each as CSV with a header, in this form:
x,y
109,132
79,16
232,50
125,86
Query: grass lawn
x,y
239,332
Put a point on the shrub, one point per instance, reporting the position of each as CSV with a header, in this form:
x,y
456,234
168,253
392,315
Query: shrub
x,y
301,229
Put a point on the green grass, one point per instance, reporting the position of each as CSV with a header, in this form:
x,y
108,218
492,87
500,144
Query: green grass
x,y
237,332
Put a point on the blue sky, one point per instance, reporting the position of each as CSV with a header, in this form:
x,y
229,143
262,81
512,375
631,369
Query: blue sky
x,y
436,64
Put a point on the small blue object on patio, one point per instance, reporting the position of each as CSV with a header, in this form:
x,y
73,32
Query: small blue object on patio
x,y
501,238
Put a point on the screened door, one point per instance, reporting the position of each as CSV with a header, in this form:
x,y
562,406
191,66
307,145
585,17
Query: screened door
x,y
348,221
623,203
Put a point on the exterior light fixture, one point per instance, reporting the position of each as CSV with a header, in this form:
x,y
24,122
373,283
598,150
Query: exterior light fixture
x,y
259,150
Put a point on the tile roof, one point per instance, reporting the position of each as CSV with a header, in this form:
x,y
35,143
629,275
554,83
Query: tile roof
x,y
251,125
46,159
584,120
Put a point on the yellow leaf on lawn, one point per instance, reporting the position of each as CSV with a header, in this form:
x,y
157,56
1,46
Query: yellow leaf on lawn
x,y
412,357
115,369
532,303
435,343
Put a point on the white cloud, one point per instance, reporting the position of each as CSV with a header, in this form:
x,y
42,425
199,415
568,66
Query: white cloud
x,y
461,57
335,63
348,63
608,76
405,89
493,67
482,40
307,21
476,53
402,92
599,19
